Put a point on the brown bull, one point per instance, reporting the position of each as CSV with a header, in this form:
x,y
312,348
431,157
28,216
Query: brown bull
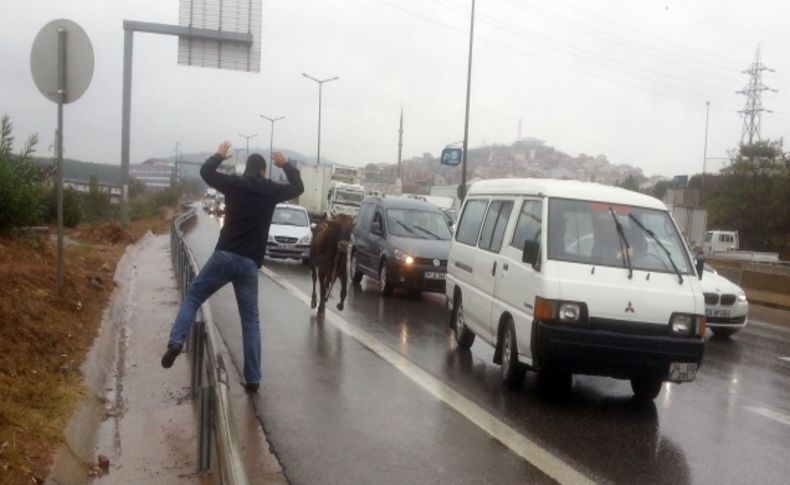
x,y
328,251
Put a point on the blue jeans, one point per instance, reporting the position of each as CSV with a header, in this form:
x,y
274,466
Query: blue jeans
x,y
222,268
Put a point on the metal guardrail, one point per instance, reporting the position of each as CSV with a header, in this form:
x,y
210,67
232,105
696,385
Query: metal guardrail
x,y
209,375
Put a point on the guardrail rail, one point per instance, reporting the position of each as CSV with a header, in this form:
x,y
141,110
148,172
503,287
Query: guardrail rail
x,y
209,377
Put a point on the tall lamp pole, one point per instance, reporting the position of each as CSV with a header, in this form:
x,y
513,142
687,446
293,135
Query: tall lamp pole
x,y
462,189
271,140
704,152
247,137
320,86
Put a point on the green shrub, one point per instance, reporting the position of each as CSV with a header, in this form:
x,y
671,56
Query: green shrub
x,y
72,207
19,181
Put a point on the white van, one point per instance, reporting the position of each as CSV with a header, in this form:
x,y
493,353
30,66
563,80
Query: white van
x,y
567,277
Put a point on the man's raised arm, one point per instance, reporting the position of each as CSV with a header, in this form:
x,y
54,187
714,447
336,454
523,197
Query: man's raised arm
x,y
208,170
295,186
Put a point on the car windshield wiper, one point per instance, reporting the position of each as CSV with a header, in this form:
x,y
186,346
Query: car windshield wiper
x,y
661,245
624,246
426,231
405,227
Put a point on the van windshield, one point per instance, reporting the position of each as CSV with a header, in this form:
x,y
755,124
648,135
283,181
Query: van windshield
x,y
585,232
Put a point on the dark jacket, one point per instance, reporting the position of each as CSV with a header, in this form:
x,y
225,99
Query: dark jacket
x,y
249,205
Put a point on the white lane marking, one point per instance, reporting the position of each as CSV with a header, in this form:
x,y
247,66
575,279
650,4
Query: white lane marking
x,y
786,359
776,416
539,457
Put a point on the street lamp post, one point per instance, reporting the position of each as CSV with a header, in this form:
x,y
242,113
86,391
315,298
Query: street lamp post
x,y
468,90
247,137
320,86
271,140
704,152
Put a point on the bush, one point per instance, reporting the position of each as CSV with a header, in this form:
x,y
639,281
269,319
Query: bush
x,y
19,181
150,204
72,207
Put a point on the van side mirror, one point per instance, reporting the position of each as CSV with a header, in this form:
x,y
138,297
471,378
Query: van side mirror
x,y
700,266
531,253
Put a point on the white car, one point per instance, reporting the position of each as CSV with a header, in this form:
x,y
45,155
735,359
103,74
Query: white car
x,y
726,307
290,233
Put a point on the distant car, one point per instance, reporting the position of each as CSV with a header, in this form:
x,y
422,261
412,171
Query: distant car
x,y
402,243
726,307
290,233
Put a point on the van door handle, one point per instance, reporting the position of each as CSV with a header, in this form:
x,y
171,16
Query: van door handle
x,y
493,269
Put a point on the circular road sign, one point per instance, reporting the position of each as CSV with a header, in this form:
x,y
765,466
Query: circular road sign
x,y
79,60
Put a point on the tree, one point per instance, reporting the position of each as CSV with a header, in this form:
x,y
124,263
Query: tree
x,y
630,183
19,180
753,195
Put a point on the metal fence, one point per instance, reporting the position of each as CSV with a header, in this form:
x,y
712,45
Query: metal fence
x,y
209,379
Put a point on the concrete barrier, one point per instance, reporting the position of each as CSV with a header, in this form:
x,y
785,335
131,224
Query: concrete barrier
x,y
763,283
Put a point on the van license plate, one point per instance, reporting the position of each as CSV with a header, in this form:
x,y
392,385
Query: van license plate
x,y
432,275
682,371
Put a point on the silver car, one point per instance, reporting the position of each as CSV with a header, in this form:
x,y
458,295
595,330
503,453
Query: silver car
x,y
290,234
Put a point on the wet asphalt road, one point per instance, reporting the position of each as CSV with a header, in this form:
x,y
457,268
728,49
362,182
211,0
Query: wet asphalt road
x,y
336,412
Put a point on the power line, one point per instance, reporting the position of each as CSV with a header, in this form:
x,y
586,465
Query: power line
x,y
586,54
559,64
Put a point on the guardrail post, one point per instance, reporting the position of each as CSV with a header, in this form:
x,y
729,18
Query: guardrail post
x,y
205,428
198,350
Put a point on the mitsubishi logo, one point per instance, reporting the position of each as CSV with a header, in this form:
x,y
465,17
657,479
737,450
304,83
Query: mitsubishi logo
x,y
630,308
436,263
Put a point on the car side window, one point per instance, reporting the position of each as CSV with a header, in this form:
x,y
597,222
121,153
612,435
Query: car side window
x,y
529,224
495,224
378,220
364,218
471,219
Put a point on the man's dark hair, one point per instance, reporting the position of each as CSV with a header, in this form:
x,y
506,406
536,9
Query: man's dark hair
x,y
255,163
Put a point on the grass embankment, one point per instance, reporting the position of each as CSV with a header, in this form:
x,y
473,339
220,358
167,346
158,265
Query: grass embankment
x,y
44,336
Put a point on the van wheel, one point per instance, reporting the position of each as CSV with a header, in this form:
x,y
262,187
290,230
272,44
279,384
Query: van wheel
x,y
356,274
646,387
464,338
305,261
513,371
385,286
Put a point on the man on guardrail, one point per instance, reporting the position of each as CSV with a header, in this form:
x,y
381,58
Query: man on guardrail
x,y
250,200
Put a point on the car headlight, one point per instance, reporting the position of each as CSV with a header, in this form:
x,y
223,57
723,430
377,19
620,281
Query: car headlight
x,y
270,239
403,257
741,296
684,324
305,239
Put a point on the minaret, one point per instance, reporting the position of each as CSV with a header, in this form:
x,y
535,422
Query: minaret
x,y
400,141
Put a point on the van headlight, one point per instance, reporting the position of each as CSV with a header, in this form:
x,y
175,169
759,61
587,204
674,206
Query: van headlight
x,y
549,311
305,239
569,312
741,296
688,325
403,257
270,238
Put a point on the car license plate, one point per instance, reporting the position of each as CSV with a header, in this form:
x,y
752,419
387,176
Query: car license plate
x,y
432,275
286,246
682,371
713,312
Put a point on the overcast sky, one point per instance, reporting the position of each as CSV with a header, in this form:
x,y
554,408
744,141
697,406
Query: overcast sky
x,y
628,79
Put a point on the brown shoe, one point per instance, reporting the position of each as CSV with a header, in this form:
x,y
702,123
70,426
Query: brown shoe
x,y
170,356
